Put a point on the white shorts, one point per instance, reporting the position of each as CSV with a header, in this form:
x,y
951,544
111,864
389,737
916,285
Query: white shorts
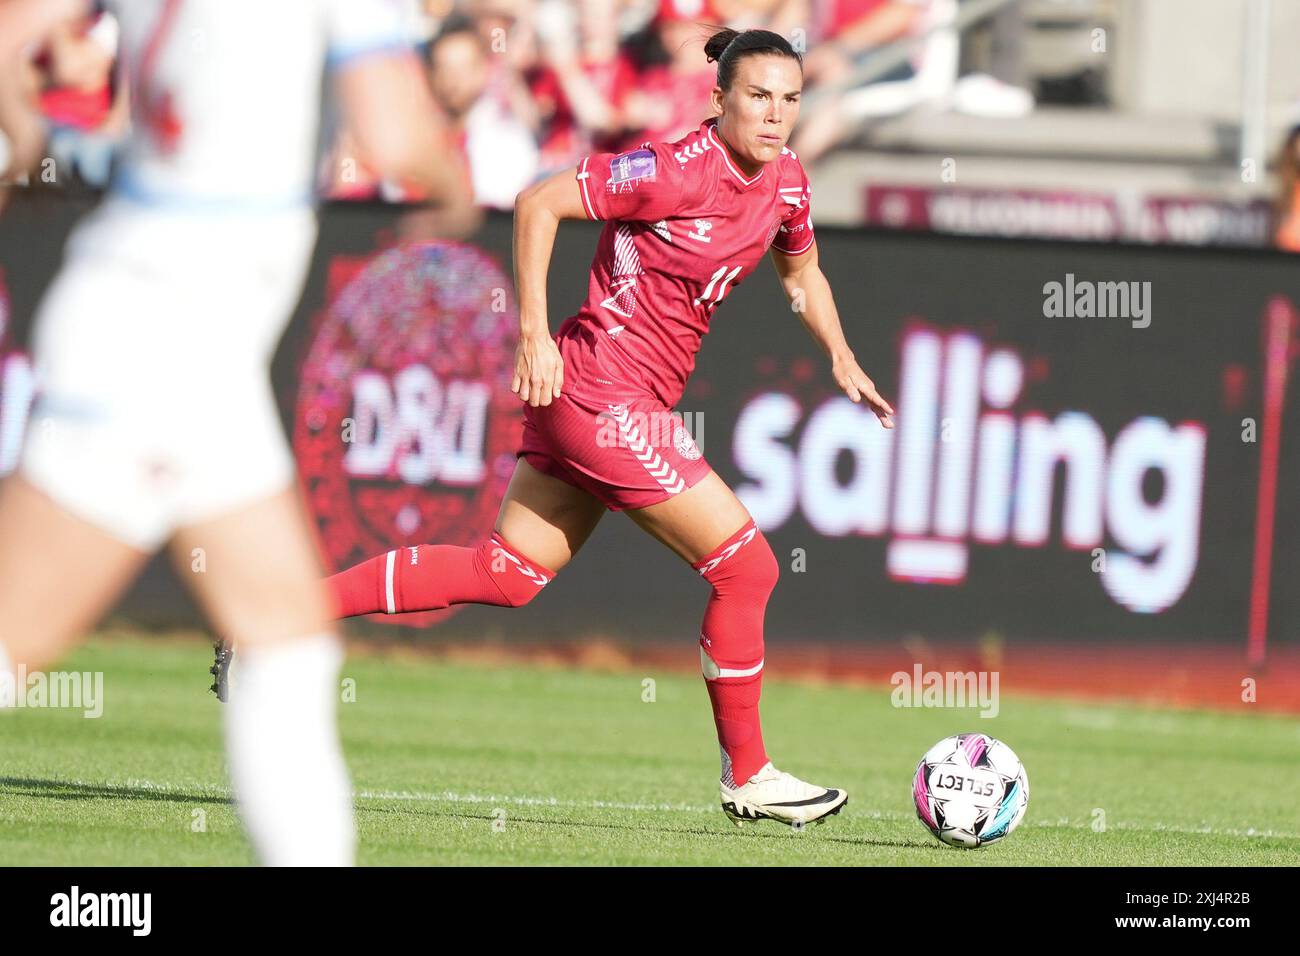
x,y
152,351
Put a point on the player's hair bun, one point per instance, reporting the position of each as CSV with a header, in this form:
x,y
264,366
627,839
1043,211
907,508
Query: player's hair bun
x,y
714,46
728,47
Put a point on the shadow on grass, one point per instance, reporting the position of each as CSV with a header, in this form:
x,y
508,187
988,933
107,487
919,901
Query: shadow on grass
x,y
774,831
72,790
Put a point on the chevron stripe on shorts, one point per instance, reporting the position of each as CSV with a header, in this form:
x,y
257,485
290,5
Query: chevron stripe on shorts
x,y
651,460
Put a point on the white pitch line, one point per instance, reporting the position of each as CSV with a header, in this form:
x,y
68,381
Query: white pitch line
x,y
449,796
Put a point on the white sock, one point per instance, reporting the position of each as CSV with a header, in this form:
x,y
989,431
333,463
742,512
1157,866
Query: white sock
x,y
8,681
285,762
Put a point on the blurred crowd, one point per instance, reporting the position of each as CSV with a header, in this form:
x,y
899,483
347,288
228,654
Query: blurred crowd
x,y
530,86
73,80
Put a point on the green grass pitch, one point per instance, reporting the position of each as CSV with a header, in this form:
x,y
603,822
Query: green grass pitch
x,y
468,764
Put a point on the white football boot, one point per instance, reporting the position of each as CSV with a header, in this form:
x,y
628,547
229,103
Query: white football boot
x,y
772,794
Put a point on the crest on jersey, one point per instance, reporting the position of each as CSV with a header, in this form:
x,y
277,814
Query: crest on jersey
x,y
685,444
631,167
771,233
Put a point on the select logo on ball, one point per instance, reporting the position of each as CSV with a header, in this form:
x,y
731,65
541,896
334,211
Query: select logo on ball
x,y
970,790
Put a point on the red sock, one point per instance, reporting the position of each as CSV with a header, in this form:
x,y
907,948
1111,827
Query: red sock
x,y
429,577
743,572
740,736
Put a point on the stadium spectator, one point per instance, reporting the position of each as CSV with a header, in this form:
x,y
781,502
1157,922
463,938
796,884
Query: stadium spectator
x,y
346,176
506,28
500,147
548,81
846,31
87,115
581,88
429,15
844,35
779,16
676,80
1287,206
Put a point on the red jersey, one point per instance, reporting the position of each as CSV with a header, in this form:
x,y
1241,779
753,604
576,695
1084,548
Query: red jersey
x,y
684,227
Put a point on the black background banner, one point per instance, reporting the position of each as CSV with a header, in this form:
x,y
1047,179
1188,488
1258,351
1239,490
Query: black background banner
x,y
954,333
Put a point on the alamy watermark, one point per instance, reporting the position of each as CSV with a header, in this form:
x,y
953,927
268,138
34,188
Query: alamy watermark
x,y
133,911
1085,299
67,690
620,428
922,688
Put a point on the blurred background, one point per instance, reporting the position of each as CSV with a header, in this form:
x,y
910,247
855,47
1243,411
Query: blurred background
x,y
1094,504
1149,120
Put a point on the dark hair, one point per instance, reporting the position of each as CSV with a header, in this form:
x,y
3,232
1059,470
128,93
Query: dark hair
x,y
457,24
729,47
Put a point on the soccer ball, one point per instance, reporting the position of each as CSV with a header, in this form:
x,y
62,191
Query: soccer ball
x,y
970,789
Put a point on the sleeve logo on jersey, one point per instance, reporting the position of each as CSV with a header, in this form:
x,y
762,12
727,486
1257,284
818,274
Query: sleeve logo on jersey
x,y
795,195
629,168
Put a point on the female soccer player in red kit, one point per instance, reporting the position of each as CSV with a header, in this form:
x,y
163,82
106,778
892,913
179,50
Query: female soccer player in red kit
x,y
686,222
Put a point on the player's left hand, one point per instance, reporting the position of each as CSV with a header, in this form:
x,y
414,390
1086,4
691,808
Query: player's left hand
x,y
856,384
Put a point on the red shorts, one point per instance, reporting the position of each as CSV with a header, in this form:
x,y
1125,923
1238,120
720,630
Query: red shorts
x,y
630,455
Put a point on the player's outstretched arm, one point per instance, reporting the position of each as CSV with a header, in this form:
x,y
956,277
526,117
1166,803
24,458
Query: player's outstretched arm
x,y
539,371
25,24
810,295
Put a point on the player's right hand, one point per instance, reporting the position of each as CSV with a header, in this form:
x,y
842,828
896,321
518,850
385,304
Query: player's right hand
x,y
539,370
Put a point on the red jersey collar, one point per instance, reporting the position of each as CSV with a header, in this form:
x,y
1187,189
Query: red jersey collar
x,y
726,156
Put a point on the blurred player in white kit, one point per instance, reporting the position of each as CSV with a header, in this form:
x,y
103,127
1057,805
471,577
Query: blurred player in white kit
x,y
156,421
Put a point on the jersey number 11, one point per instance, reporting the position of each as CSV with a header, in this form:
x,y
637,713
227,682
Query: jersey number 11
x,y
722,287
